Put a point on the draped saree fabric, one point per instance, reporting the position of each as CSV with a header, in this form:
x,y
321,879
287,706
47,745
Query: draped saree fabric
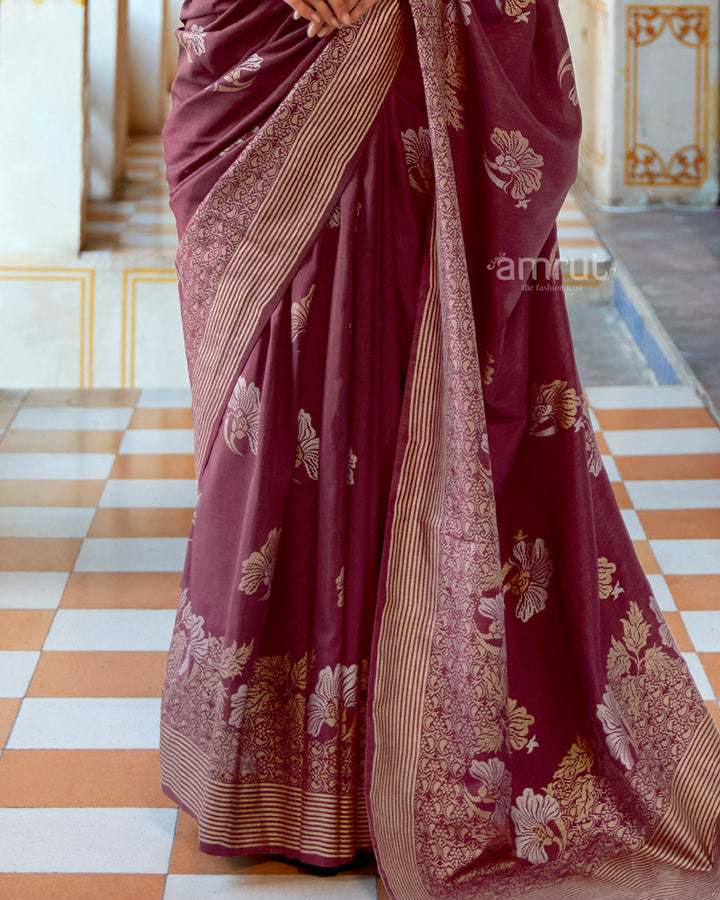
x,y
411,617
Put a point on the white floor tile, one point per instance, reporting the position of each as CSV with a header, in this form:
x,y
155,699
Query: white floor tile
x,y
161,440
611,468
677,494
31,590
49,466
703,628
633,524
111,630
16,670
118,841
663,441
69,723
45,522
73,418
138,493
270,887
661,592
698,673
165,398
640,397
132,555
696,557
143,239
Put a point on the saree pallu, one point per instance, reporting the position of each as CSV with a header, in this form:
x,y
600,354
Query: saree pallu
x,y
411,617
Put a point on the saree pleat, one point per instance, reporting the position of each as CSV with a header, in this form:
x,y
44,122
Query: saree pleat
x,y
411,616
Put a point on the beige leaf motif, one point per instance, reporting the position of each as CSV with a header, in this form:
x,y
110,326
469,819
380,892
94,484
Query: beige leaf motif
x,y
516,168
566,68
635,629
299,313
552,407
340,587
308,446
241,76
519,723
606,572
259,567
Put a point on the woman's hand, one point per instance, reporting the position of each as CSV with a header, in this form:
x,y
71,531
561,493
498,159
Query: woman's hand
x,y
327,15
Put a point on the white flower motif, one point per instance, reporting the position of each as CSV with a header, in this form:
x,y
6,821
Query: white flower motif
x,y
527,575
495,787
458,10
259,567
237,78
198,645
492,607
193,40
336,692
419,159
516,168
308,446
299,313
616,734
242,419
352,465
237,706
537,826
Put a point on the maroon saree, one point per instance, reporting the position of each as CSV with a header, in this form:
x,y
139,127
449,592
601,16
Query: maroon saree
x,y
411,617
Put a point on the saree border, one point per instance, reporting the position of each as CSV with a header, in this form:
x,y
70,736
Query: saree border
x,y
232,816
407,614
293,210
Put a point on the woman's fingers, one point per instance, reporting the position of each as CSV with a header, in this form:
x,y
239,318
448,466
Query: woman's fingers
x,y
302,9
360,8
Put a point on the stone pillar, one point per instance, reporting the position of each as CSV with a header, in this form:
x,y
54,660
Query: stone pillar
x,y
42,111
108,95
647,77
147,69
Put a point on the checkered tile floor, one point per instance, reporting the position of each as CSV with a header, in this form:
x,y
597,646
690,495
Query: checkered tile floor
x,y
96,494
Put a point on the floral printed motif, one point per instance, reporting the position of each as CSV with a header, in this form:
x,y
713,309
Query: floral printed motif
x,y
566,68
334,220
538,826
308,447
616,734
594,458
606,571
663,627
193,40
299,313
336,693
459,11
494,788
526,576
352,465
340,587
519,722
259,568
516,167
237,79
197,647
552,407
518,9
419,159
242,419
237,706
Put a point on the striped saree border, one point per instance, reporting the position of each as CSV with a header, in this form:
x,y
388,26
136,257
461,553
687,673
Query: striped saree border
x,y
260,815
293,209
408,613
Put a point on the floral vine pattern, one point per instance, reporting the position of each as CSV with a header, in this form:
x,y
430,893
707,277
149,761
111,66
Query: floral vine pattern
x,y
192,39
